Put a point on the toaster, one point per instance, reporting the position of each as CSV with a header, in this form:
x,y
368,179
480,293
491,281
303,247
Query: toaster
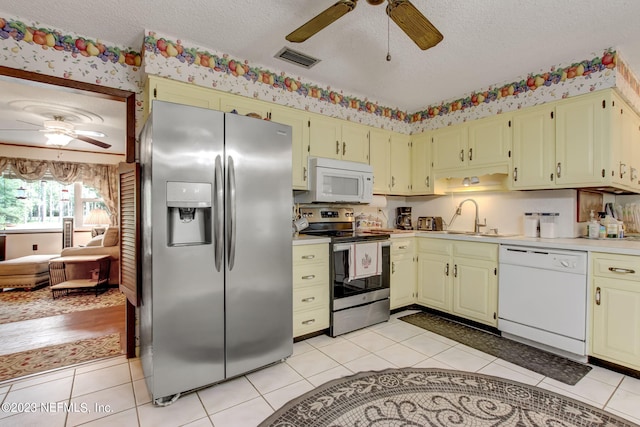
x,y
430,223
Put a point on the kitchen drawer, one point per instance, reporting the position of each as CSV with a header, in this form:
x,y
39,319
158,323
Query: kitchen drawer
x,y
617,266
305,322
403,246
440,246
311,297
304,275
310,253
486,251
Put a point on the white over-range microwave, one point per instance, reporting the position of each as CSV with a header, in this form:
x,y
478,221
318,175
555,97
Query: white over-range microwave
x,y
338,181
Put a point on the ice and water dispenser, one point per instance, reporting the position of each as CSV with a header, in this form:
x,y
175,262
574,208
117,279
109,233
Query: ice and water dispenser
x,y
189,213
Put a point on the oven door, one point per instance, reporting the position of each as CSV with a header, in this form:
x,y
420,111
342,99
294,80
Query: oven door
x,y
347,293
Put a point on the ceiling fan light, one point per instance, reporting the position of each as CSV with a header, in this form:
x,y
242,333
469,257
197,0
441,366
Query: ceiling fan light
x,y
57,139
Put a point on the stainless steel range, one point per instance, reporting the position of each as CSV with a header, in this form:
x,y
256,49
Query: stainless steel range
x,y
359,269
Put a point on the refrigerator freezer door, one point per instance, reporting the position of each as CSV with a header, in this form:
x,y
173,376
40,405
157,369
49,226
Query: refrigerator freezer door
x,y
259,328
183,305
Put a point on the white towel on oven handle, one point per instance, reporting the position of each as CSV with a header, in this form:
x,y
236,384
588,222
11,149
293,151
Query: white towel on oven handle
x,y
365,260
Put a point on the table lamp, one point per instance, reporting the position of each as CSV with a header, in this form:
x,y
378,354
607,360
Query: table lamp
x,y
97,217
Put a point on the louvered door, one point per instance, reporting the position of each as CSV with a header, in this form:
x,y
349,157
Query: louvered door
x,y
130,274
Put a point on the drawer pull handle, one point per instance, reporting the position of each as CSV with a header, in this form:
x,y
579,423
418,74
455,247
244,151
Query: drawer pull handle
x,y
598,296
308,256
402,247
308,299
622,270
309,322
309,277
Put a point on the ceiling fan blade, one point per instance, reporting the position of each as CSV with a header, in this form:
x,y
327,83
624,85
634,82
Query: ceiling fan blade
x,y
414,23
93,141
320,21
93,133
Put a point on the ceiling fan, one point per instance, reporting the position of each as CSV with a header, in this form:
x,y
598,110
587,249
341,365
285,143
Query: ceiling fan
x,y
402,12
60,133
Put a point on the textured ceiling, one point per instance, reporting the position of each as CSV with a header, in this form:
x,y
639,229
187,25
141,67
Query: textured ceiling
x,y
485,42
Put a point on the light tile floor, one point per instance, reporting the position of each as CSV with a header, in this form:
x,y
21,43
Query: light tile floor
x,y
113,392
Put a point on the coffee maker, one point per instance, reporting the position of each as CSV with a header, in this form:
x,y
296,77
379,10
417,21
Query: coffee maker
x,y
403,218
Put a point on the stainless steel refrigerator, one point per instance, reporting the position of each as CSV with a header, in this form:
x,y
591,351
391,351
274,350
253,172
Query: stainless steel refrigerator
x,y
216,243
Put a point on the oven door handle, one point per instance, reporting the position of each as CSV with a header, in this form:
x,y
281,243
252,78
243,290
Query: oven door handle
x,y
345,246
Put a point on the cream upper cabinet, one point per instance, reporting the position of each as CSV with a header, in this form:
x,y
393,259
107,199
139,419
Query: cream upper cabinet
x,y
335,139
400,164
421,180
299,122
631,136
449,147
355,142
625,136
243,105
459,278
534,144
615,303
581,131
379,159
325,137
403,273
181,93
489,141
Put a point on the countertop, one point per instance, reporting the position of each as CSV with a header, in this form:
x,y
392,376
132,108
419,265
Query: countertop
x,y
619,246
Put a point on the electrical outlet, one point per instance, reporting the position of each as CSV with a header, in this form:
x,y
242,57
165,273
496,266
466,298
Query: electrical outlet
x,y
34,247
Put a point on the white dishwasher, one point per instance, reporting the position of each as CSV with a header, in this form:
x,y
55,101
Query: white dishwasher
x,y
542,297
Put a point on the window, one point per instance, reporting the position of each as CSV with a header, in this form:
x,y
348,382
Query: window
x,y
41,204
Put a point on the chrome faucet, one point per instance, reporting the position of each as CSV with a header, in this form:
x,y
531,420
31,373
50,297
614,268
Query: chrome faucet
x,y
476,223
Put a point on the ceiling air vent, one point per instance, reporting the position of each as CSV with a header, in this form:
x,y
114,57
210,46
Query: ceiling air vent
x,y
296,57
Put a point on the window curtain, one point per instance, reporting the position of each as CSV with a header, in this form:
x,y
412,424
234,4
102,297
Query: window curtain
x,y
102,178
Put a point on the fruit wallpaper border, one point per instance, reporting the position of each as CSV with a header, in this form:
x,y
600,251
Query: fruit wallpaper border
x,y
42,49
173,58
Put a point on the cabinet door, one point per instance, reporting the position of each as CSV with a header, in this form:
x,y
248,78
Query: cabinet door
x,y
475,287
616,321
626,150
244,105
298,120
449,147
380,160
489,141
421,181
534,148
400,164
355,143
580,134
183,93
434,280
403,280
324,137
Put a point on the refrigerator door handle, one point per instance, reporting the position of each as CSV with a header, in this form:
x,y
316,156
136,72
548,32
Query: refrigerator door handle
x,y
231,218
219,214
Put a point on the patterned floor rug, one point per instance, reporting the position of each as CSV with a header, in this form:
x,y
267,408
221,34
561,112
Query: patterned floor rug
x,y
20,305
540,361
434,397
44,359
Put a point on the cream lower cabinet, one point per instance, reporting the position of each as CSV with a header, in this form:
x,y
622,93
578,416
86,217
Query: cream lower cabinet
x,y
615,305
460,278
403,272
310,288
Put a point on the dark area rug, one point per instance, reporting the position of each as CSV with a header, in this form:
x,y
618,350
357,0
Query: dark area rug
x,y
57,356
435,397
18,305
548,364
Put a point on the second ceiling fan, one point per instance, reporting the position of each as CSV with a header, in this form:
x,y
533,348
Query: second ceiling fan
x,y
402,12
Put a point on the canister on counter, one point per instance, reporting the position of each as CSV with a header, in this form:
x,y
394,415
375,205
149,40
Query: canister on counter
x,y
548,225
531,224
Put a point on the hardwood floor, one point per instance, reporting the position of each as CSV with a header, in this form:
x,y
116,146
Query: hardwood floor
x,y
36,333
